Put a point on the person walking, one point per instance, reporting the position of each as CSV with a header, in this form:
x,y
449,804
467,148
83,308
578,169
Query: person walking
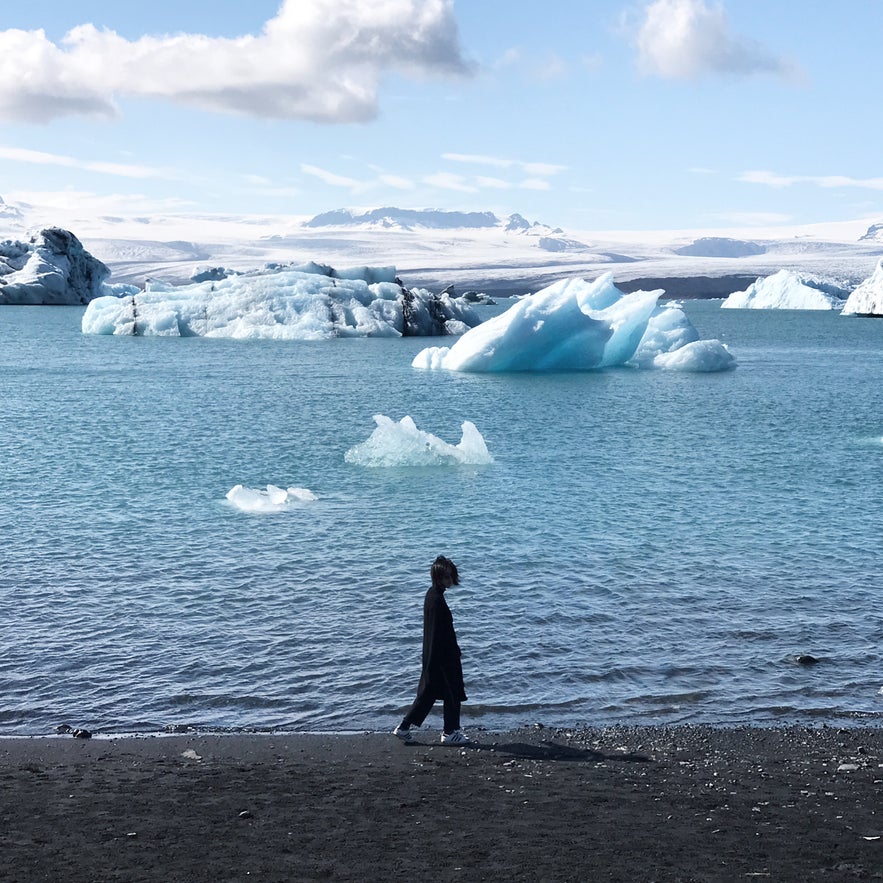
x,y
442,674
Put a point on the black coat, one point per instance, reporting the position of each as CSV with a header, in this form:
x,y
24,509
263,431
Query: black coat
x,y
442,673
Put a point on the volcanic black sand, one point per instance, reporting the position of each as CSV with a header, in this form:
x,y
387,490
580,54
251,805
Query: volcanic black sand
x,y
629,804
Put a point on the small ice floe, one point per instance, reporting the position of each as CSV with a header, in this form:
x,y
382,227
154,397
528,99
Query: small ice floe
x,y
403,444
273,499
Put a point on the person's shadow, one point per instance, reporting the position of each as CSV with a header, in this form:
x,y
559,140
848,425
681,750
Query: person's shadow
x,y
555,751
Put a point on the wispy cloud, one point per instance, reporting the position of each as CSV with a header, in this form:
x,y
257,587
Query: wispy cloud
x,y
319,60
492,183
85,203
771,179
448,181
531,176
331,178
122,170
535,184
685,39
553,68
529,168
397,182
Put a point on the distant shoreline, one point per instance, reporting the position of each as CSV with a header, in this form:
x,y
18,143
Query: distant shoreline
x,y
613,804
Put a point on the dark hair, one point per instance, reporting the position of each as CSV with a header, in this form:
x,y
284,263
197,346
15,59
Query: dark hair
x,y
443,567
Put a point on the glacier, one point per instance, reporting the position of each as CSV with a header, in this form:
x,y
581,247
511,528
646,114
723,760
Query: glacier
x,y
787,290
867,298
576,325
403,444
282,302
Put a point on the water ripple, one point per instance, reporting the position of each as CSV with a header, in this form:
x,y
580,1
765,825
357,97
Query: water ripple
x,y
646,548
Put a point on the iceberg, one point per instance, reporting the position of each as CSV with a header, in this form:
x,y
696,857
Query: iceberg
x,y
273,499
52,269
575,325
403,444
787,290
280,302
867,299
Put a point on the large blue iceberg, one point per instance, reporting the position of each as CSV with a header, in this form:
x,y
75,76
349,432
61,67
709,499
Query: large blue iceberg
x,y
575,325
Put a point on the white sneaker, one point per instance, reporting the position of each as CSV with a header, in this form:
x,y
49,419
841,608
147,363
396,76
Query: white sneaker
x,y
458,737
403,733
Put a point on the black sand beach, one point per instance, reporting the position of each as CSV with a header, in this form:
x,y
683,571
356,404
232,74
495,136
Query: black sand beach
x,y
624,804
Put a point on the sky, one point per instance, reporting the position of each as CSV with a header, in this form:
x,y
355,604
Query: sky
x,y
601,115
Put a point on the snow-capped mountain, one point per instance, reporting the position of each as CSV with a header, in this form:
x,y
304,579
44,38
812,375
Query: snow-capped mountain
x,y
475,250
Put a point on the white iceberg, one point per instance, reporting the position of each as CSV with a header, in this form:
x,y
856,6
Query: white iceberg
x,y
867,299
310,302
273,499
787,290
575,325
403,444
52,269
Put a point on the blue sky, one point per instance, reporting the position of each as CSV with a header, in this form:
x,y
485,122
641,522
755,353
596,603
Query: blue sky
x,y
590,115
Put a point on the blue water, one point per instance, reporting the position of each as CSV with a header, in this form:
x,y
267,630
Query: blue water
x,y
648,547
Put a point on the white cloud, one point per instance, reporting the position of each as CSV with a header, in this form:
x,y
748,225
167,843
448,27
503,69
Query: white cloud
x,y
553,68
123,170
535,184
86,204
318,60
330,177
396,181
684,39
529,168
771,179
492,183
447,181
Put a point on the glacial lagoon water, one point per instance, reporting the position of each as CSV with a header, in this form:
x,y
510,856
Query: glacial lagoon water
x,y
647,547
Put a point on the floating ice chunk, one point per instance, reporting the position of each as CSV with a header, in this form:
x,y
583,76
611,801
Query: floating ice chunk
x,y
273,499
668,329
572,325
283,303
403,444
867,299
701,355
786,290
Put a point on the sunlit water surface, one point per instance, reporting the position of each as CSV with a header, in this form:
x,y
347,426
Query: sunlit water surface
x,y
648,547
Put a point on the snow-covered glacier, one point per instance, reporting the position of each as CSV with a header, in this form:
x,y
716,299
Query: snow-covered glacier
x,y
787,290
867,299
576,325
307,302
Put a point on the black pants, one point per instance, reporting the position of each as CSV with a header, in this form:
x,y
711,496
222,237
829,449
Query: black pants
x,y
422,705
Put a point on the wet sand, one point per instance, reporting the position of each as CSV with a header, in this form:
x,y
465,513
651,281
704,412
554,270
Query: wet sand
x,y
623,804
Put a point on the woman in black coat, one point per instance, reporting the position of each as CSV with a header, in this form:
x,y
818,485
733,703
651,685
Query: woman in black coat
x,y
442,675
